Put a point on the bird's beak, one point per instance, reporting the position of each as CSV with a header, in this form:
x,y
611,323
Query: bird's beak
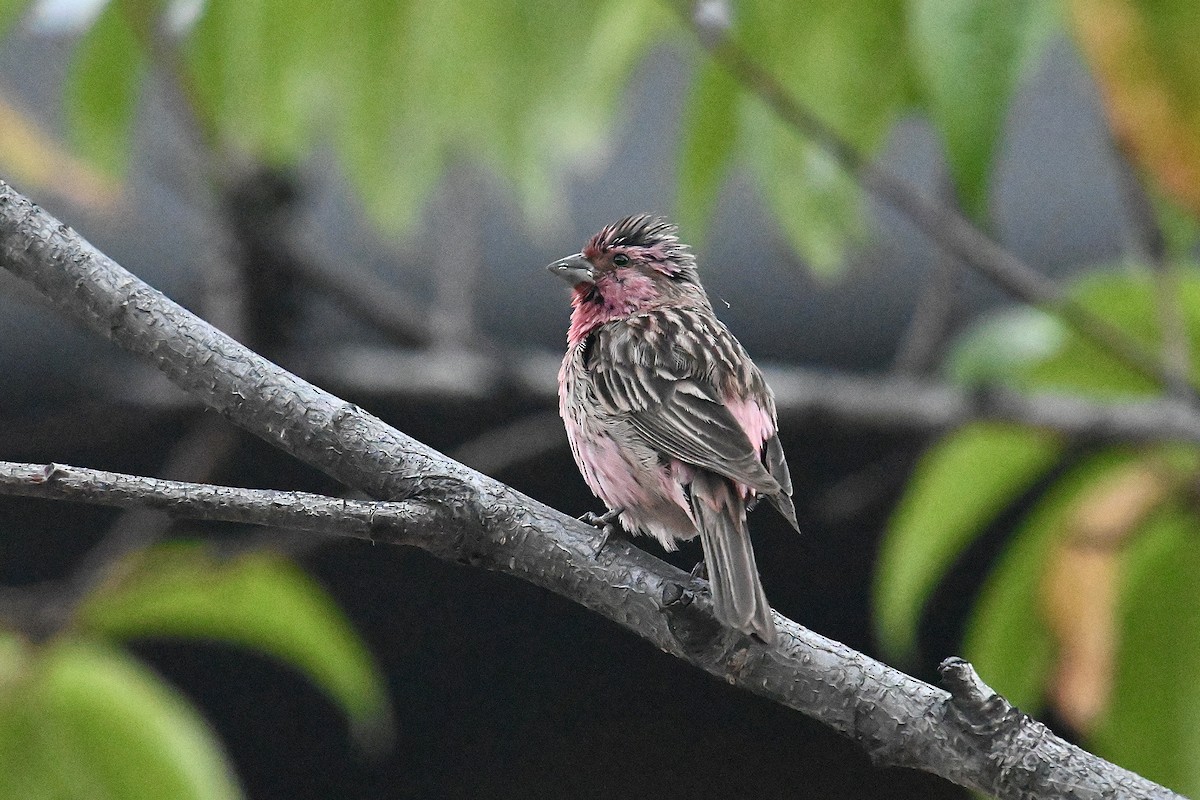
x,y
574,269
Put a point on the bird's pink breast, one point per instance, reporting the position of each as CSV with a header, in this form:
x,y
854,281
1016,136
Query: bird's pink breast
x,y
626,474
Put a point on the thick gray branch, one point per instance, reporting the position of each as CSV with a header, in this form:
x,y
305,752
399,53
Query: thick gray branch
x,y
897,719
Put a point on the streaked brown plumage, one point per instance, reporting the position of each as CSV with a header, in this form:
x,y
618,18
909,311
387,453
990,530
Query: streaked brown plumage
x,y
669,420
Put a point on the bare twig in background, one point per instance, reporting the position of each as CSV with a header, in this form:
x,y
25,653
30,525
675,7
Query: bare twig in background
x,y
925,339
1147,245
942,223
457,261
358,291
515,443
967,737
800,394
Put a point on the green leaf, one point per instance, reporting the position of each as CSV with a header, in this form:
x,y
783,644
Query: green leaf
x,y
848,63
972,56
1127,300
1029,351
818,206
957,488
1004,344
102,88
108,727
1153,724
710,133
258,600
12,657
29,765
1007,637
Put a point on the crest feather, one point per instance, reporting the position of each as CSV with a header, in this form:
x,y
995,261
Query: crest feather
x,y
655,237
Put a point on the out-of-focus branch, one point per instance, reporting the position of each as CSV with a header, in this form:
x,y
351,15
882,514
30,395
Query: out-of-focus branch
x,y
939,221
929,329
1147,245
475,520
882,401
457,260
518,442
358,291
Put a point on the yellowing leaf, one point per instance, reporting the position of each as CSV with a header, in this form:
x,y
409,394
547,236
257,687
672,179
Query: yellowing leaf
x,y
1153,723
1079,588
1145,60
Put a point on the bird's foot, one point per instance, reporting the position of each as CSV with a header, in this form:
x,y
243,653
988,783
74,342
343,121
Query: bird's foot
x,y
674,594
607,523
700,570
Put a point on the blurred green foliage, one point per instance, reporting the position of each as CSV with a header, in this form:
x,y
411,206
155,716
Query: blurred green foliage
x,y
399,89
1081,606
80,717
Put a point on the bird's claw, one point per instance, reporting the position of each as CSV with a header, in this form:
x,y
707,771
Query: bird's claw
x,y
607,523
673,594
700,570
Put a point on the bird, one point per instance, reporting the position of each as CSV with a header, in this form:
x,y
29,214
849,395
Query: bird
x,y
669,420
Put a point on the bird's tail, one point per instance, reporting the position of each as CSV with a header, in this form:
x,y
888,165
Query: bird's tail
x,y
738,597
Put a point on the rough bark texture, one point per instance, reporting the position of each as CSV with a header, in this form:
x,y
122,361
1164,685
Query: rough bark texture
x,y
898,720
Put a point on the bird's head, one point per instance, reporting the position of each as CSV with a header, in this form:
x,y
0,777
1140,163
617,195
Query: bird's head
x,y
630,266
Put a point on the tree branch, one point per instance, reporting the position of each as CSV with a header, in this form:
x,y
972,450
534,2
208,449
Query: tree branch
x,y
800,394
939,221
475,520
408,523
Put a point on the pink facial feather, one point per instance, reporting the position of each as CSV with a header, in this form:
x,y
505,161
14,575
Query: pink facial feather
x,y
614,295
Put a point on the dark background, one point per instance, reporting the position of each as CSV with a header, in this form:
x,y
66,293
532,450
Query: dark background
x,y
499,688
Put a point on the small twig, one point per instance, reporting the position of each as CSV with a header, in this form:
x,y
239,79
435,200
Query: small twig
x,y
457,261
193,458
52,604
512,444
1148,247
397,522
939,221
800,394
925,338
358,291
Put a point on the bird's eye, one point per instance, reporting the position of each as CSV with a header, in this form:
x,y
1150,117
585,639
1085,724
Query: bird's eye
x,y
620,260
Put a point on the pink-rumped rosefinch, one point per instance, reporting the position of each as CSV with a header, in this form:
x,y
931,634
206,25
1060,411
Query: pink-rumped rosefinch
x,y
670,422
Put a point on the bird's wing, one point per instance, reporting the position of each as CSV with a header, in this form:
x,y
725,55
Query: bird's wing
x,y
666,388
